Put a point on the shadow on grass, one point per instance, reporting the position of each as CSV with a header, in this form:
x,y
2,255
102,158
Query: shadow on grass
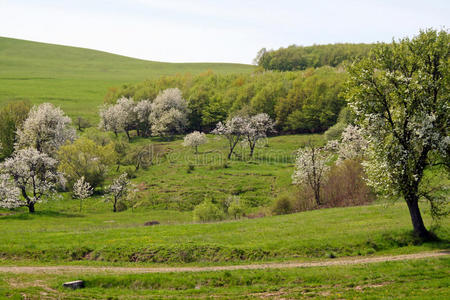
x,y
45,213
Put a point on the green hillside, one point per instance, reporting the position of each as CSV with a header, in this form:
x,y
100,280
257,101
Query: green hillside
x,y
77,79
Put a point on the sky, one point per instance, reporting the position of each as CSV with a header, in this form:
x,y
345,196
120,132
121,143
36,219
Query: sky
x,y
214,31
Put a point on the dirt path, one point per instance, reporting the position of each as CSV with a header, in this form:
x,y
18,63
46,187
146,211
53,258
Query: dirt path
x,y
127,270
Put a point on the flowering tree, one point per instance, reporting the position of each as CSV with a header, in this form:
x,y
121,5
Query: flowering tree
x,y
33,173
119,117
233,130
352,145
257,127
46,129
119,190
311,168
82,190
9,193
169,113
143,109
194,140
400,95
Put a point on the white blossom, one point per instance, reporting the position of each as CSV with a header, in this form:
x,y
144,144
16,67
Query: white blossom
x,y
82,189
9,193
233,130
257,127
34,173
194,140
120,189
169,113
46,129
311,169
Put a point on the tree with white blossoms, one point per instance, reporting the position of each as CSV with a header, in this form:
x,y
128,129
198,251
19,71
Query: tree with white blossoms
x,y
256,128
194,140
119,190
119,117
34,173
311,169
352,144
9,193
143,109
82,190
46,129
169,113
400,95
233,130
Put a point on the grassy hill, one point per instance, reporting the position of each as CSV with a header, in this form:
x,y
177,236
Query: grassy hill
x,y
77,79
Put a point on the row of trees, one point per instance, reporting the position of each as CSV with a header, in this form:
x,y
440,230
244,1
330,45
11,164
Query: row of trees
x,y
301,58
165,115
301,102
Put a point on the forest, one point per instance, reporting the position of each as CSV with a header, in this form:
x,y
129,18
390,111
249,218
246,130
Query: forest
x,y
306,101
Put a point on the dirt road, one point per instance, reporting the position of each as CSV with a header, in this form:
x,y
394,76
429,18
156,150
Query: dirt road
x,y
129,270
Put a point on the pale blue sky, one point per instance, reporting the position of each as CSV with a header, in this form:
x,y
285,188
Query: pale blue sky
x,y
214,31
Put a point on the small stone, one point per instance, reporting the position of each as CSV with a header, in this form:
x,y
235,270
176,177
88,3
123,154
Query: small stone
x,y
77,284
151,223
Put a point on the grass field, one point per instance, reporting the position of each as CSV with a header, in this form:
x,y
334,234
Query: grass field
x,y
59,232
78,79
421,279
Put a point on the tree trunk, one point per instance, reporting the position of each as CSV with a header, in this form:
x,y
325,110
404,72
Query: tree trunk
x,y
31,207
115,205
128,135
416,217
252,148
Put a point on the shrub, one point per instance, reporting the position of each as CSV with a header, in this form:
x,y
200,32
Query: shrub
x,y
335,131
283,205
235,207
345,185
303,199
190,168
207,211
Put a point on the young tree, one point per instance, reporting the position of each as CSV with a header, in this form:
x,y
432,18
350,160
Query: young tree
x,y
169,113
12,117
82,123
9,193
84,158
34,174
127,106
194,140
82,190
311,168
119,190
257,127
232,130
46,128
400,95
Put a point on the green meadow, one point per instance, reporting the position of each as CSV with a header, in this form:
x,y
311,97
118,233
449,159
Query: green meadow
x,y
78,79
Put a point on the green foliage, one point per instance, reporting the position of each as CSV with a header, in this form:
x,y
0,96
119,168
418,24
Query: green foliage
x,y
283,205
300,58
207,211
306,101
400,96
85,158
12,116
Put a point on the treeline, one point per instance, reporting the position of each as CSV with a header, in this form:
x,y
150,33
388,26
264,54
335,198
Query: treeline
x,y
295,57
300,101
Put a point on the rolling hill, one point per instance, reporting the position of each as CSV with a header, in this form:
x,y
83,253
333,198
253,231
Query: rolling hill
x,y
77,79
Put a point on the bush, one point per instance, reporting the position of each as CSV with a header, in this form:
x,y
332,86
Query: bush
x,y
345,185
335,131
235,207
207,211
283,205
303,199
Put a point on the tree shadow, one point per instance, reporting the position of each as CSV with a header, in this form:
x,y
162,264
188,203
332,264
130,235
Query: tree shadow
x,y
45,213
